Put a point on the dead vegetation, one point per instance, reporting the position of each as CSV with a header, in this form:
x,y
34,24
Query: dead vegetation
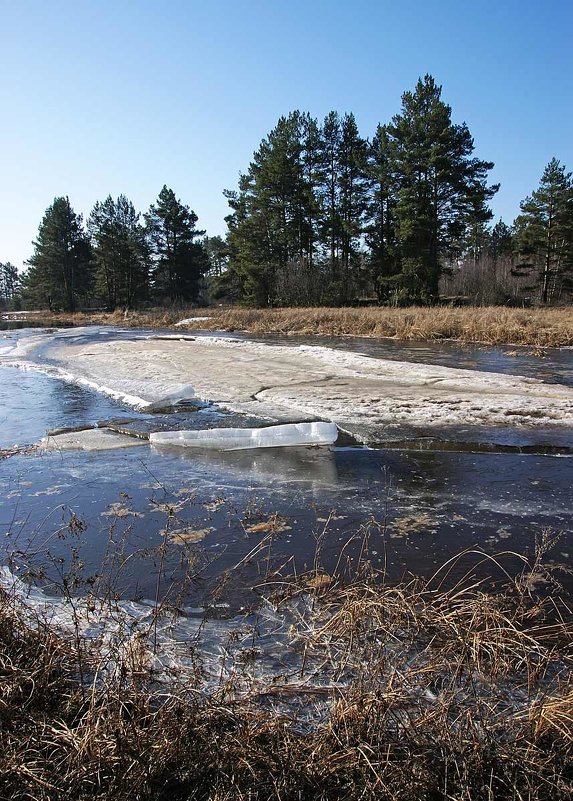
x,y
401,693
488,325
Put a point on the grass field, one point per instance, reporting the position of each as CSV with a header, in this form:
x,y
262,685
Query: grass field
x,y
488,325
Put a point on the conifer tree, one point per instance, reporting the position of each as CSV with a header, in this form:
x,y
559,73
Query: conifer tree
x,y
544,232
274,221
59,274
331,228
380,230
440,187
501,241
179,261
9,286
120,252
353,201
217,252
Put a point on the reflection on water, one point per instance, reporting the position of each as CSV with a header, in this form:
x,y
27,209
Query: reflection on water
x,y
309,465
424,508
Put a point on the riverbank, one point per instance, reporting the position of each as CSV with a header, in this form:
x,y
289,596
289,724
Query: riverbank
x,y
537,328
399,692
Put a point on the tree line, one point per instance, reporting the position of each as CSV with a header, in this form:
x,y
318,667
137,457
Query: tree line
x,y
117,259
326,216
322,216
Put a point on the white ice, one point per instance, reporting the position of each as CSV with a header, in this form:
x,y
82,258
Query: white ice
x,y
235,439
92,439
192,320
293,383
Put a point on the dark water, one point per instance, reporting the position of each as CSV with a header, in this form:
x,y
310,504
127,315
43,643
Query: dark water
x,y
31,403
108,517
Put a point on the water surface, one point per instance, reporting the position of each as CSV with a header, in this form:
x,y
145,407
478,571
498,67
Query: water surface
x,y
108,518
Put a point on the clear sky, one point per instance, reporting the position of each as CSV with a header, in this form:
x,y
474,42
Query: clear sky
x,y
109,97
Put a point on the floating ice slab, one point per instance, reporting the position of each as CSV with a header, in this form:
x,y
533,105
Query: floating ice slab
x,y
93,439
235,439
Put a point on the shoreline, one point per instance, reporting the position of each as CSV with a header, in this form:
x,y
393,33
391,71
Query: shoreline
x,y
486,326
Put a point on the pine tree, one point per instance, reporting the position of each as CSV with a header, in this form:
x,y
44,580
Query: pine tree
x,y
544,232
440,188
274,221
331,228
352,182
380,230
217,252
9,286
120,252
59,275
178,261
501,241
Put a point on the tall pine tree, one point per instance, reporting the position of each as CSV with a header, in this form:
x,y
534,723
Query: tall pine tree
x,y
59,274
353,201
179,261
440,189
120,252
544,232
381,227
273,226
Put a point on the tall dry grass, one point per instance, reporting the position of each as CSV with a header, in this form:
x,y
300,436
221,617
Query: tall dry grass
x,y
432,694
488,325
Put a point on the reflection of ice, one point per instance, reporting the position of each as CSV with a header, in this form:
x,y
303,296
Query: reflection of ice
x,y
317,465
234,439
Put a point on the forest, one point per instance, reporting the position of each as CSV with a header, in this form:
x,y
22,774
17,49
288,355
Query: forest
x,y
323,216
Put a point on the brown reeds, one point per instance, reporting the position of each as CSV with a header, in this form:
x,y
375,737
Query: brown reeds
x,y
493,325
405,692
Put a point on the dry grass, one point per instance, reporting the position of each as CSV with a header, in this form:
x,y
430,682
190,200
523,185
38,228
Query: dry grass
x,y
431,694
488,325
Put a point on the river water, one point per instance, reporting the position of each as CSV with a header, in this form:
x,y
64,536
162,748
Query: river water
x,y
135,522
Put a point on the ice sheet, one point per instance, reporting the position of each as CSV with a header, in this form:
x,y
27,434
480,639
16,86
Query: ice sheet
x,y
234,439
93,439
192,320
186,646
288,384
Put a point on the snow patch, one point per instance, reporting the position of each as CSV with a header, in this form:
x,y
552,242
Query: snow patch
x,y
192,320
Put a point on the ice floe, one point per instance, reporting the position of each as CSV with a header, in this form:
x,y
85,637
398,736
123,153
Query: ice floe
x,y
92,439
285,384
234,439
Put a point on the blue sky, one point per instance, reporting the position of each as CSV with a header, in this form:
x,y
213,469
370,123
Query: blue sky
x,y
106,97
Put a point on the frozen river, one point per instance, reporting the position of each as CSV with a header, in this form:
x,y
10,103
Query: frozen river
x,y
429,487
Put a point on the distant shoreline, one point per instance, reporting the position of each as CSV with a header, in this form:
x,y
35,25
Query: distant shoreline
x,y
493,325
